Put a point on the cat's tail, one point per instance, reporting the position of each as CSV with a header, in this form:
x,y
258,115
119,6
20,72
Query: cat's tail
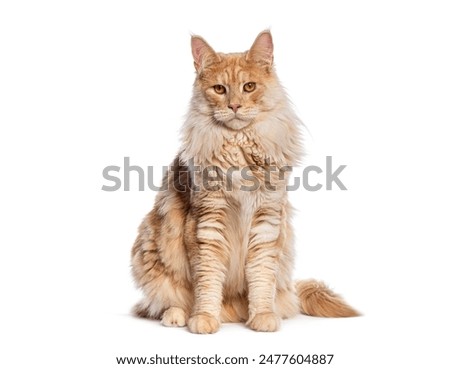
x,y
317,299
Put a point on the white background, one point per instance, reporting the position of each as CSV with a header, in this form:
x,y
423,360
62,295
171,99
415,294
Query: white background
x,y
85,83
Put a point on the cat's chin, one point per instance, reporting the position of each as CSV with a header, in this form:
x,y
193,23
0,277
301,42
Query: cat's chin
x,y
237,124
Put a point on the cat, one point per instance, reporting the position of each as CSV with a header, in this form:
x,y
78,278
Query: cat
x,y
224,253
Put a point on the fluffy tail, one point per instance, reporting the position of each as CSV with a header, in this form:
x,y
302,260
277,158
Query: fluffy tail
x,y
317,299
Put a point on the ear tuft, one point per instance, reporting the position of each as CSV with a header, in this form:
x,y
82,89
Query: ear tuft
x,y
203,53
262,49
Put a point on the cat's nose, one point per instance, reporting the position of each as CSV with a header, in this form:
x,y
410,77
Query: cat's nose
x,y
234,107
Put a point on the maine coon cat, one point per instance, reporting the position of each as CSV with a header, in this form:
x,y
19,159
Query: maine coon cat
x,y
222,251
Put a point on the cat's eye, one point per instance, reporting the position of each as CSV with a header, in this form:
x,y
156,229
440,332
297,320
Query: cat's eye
x,y
249,87
219,89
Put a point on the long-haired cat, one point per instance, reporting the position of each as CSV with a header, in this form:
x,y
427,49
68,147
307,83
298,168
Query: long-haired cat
x,y
221,249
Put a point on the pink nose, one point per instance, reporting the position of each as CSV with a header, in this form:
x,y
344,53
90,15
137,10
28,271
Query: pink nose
x,y
234,107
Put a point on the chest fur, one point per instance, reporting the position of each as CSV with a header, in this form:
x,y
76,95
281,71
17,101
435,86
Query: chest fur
x,y
241,149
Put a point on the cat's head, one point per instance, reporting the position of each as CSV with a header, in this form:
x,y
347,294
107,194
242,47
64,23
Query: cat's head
x,y
235,89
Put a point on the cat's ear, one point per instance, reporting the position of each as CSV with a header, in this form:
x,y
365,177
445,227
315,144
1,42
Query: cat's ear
x,y
262,49
203,53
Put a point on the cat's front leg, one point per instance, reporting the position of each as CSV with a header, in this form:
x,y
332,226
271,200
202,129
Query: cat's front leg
x,y
261,269
208,260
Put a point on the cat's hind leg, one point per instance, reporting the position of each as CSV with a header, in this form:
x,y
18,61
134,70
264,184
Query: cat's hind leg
x,y
165,298
166,302
160,270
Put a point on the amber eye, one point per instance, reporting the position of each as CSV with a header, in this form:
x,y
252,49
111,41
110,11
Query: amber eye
x,y
249,87
219,89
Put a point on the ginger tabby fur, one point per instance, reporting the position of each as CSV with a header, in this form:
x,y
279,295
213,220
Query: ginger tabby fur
x,y
203,257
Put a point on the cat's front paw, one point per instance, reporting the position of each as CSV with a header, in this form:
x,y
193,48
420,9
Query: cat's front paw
x,y
174,317
265,322
203,324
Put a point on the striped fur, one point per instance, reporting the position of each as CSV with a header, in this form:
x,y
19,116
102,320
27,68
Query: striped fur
x,y
205,256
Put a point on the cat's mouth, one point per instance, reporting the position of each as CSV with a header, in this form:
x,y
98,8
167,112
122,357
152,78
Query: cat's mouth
x,y
235,121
